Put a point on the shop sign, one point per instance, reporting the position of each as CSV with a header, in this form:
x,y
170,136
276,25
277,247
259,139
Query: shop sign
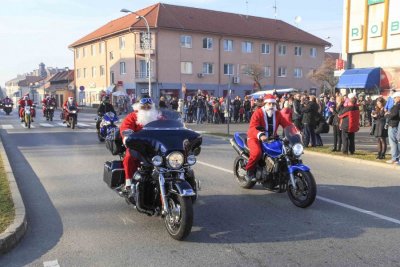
x,y
395,27
373,2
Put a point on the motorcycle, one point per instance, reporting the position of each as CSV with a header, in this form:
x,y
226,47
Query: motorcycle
x,y
8,108
106,123
164,184
71,118
49,112
27,116
280,168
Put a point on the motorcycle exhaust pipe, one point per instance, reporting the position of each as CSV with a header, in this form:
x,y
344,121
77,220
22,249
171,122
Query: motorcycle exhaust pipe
x,y
238,149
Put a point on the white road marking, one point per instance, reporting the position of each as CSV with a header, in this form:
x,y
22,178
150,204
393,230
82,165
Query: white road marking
x,y
51,264
7,126
82,124
23,126
367,212
62,124
46,124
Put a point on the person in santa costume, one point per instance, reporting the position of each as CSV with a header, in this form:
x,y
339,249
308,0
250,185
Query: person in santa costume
x,y
269,118
25,101
143,113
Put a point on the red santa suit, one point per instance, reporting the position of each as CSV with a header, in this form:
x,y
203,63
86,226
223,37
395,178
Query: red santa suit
x,y
22,103
259,118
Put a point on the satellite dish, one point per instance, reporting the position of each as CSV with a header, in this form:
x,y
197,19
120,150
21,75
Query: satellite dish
x,y
297,19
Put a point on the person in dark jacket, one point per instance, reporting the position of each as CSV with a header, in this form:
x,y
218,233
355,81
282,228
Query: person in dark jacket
x,y
296,115
162,103
104,107
380,132
350,123
393,118
337,133
309,109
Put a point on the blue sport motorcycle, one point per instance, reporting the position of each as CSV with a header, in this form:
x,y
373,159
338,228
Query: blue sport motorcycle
x,y
105,124
280,168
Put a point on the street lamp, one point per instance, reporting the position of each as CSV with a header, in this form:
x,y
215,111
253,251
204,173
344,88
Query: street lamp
x,y
146,41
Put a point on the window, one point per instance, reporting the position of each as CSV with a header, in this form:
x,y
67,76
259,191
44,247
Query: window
x,y
228,69
102,70
122,42
297,50
186,41
264,48
92,50
144,70
84,52
111,55
112,77
228,45
313,52
84,72
186,67
207,43
78,73
208,68
122,69
101,47
145,41
93,71
77,52
282,50
298,72
267,71
281,72
247,47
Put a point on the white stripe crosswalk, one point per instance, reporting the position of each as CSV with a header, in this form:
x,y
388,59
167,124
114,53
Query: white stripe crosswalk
x,y
45,125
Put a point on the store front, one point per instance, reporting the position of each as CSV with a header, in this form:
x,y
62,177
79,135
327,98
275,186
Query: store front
x,y
364,80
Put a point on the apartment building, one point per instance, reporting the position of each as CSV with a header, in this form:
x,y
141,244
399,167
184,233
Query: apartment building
x,y
192,49
371,45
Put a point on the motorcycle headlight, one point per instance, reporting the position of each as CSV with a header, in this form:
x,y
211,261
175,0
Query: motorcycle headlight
x,y
191,160
106,122
73,112
51,107
175,160
297,149
157,161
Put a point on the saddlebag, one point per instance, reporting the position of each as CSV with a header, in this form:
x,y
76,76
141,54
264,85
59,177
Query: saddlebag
x,y
114,142
114,174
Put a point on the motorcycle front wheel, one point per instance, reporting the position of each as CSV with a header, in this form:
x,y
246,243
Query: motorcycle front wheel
x,y
239,171
179,221
73,123
101,138
306,191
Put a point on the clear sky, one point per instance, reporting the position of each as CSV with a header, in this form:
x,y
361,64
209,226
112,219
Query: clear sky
x,y
34,31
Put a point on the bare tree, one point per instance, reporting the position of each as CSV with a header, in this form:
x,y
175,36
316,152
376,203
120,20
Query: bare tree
x,y
256,72
324,75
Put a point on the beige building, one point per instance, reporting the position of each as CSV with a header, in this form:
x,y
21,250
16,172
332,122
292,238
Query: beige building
x,y
371,40
193,49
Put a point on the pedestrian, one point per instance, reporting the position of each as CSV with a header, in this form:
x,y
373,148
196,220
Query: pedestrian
x,y
393,118
337,132
379,130
309,110
350,124
297,115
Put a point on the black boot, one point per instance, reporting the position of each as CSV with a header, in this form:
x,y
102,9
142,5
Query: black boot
x,y
250,176
382,155
379,155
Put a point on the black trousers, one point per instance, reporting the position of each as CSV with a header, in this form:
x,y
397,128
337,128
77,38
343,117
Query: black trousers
x,y
337,137
309,135
348,142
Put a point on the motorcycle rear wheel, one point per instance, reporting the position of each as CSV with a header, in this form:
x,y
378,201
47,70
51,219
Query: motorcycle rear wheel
x,y
305,195
240,172
180,220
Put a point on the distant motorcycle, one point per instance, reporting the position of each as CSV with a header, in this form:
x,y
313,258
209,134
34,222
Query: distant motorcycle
x,y
107,122
8,108
49,112
71,116
280,169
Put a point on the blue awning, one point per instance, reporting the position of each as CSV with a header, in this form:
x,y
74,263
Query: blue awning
x,y
368,78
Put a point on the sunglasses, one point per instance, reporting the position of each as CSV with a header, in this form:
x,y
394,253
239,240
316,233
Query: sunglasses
x,y
144,101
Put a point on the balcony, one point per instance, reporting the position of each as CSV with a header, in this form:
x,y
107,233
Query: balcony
x,y
141,49
142,76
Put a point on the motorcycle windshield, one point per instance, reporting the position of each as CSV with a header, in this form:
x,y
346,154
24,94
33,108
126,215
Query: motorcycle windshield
x,y
110,116
292,134
163,136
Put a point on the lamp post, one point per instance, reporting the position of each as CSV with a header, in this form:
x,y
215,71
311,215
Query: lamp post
x,y
67,70
146,41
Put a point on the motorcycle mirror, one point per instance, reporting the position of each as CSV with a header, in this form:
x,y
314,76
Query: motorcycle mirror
x,y
197,151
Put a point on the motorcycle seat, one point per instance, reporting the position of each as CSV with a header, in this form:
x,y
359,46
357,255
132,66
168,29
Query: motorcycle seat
x,y
243,138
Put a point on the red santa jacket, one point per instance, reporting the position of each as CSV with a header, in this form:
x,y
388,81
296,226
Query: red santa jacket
x,y
259,118
130,122
22,102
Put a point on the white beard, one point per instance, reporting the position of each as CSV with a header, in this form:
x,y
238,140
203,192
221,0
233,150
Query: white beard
x,y
270,112
146,116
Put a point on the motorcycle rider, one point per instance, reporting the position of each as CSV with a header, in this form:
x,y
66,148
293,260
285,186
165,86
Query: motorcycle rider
x,y
25,101
47,102
269,118
7,100
104,107
143,113
70,102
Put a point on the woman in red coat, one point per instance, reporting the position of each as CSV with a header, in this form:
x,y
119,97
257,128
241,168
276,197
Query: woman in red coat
x,y
349,123
269,118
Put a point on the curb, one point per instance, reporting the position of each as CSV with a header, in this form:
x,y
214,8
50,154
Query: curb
x,y
361,161
14,233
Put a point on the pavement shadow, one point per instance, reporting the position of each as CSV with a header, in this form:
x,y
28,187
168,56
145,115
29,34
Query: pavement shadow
x,y
271,217
45,227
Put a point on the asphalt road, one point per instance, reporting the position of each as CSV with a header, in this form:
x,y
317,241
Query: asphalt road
x,y
75,220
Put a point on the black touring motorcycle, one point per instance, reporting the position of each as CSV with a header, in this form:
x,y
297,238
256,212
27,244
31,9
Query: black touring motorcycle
x,y
164,185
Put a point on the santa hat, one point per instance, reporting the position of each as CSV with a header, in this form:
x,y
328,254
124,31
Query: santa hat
x,y
351,95
268,98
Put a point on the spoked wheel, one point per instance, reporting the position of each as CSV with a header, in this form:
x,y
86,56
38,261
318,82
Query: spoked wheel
x,y
306,191
239,171
180,219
